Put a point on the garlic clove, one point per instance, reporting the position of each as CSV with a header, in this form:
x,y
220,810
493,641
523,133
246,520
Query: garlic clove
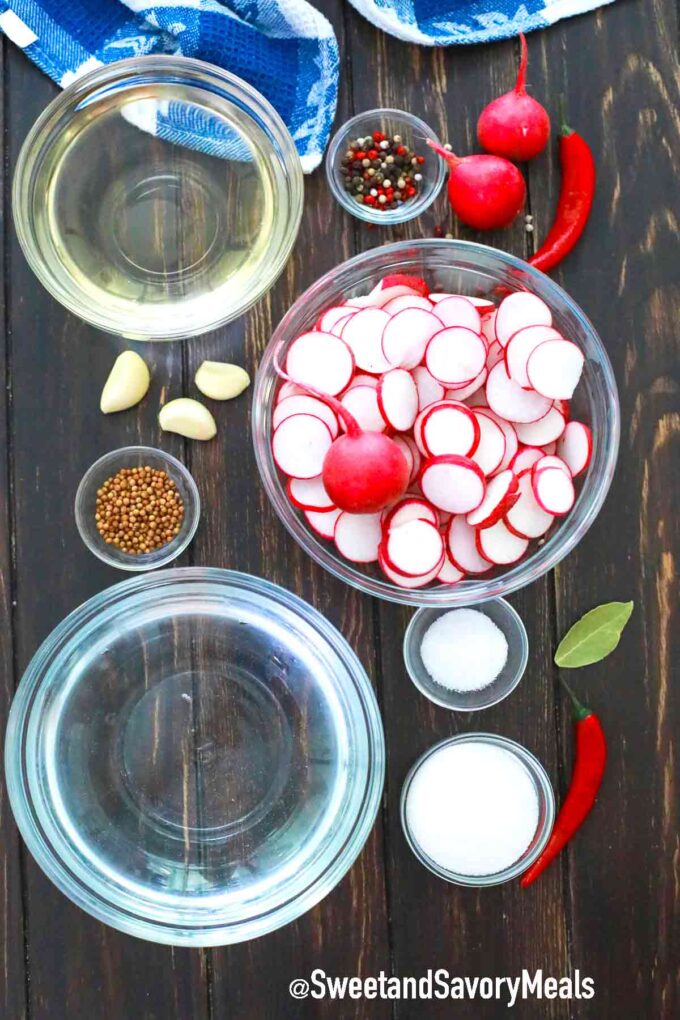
x,y
188,418
221,381
127,383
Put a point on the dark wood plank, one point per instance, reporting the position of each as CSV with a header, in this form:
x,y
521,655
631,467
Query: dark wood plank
x,y
620,74
77,966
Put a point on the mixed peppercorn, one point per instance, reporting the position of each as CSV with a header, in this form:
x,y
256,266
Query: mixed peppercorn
x,y
381,172
138,510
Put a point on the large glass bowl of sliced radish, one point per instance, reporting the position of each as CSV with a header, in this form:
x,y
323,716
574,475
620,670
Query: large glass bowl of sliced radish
x,y
436,423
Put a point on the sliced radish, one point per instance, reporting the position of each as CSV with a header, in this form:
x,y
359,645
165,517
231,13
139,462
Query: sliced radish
x,y
546,430
337,328
521,346
322,523
362,403
525,458
401,579
305,405
489,328
526,518
398,399
358,537
575,447
452,483
407,449
455,356
490,449
290,389
410,509
363,335
331,317
449,427
406,336
462,547
449,572
309,494
461,392
396,284
511,440
414,548
458,311
519,310
502,492
363,379
320,360
499,545
429,389
494,355
510,401
553,489
300,444
417,458
398,304
484,306
550,460
554,368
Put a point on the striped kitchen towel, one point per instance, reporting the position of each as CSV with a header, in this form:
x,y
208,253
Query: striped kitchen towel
x,y
284,48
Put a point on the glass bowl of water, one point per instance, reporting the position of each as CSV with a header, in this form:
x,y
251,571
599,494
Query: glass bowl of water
x,y
195,757
158,197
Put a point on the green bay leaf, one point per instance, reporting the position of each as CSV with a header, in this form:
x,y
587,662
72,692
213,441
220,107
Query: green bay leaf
x,y
594,636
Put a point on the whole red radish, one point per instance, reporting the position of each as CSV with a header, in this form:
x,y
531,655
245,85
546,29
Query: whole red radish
x,y
515,125
486,192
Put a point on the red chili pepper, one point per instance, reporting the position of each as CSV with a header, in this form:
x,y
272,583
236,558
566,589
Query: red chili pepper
x,y
589,762
574,203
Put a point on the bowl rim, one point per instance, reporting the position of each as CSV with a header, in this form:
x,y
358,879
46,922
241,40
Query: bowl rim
x,y
132,68
173,550
544,791
467,592
408,210
106,910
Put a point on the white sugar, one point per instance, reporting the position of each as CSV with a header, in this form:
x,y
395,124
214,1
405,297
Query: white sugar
x,y
464,650
472,808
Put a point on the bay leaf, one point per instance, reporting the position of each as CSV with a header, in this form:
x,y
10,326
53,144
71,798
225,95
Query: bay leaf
x,y
594,636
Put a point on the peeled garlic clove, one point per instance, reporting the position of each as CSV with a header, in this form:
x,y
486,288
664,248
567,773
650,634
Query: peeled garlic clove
x,y
188,418
127,383
220,381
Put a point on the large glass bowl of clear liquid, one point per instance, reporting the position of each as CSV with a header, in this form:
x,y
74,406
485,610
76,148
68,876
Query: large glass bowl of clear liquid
x,y
195,757
158,197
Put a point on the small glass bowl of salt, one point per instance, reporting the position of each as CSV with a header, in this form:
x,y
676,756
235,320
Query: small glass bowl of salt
x,y
466,659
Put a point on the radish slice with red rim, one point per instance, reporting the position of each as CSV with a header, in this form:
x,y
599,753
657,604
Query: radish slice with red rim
x,y
554,368
363,379
305,404
499,545
461,392
511,440
449,427
458,311
546,430
494,355
401,579
526,518
552,461
300,444
519,310
455,356
407,449
309,494
575,446
290,389
398,304
502,492
331,317
414,548
358,537
452,483
430,390
449,573
462,547
489,328
417,458
553,489
323,523
338,327
362,404
510,401
490,449
521,346
363,335
406,336
411,509
398,399
320,360
525,458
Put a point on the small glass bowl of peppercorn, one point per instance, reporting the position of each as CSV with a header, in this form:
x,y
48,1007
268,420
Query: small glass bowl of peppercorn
x,y
137,508
381,169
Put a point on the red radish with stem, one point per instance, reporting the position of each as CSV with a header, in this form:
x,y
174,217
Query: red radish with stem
x,y
486,192
515,125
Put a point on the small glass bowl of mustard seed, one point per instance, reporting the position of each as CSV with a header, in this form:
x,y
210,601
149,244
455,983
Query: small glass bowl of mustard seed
x,y
137,508
380,168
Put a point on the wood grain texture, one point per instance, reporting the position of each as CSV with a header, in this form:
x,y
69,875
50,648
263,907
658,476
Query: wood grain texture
x,y
610,907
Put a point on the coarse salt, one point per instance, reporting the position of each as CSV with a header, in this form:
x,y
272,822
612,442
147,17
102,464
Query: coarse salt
x,y
472,808
464,650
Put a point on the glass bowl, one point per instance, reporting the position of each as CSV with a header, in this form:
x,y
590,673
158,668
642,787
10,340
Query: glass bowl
x,y
415,132
158,197
466,268
507,620
110,464
546,811
195,757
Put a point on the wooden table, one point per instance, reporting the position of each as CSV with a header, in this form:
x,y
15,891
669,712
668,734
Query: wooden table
x,y
610,907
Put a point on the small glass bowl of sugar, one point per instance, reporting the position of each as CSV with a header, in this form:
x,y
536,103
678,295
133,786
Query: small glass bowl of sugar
x,y
466,659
